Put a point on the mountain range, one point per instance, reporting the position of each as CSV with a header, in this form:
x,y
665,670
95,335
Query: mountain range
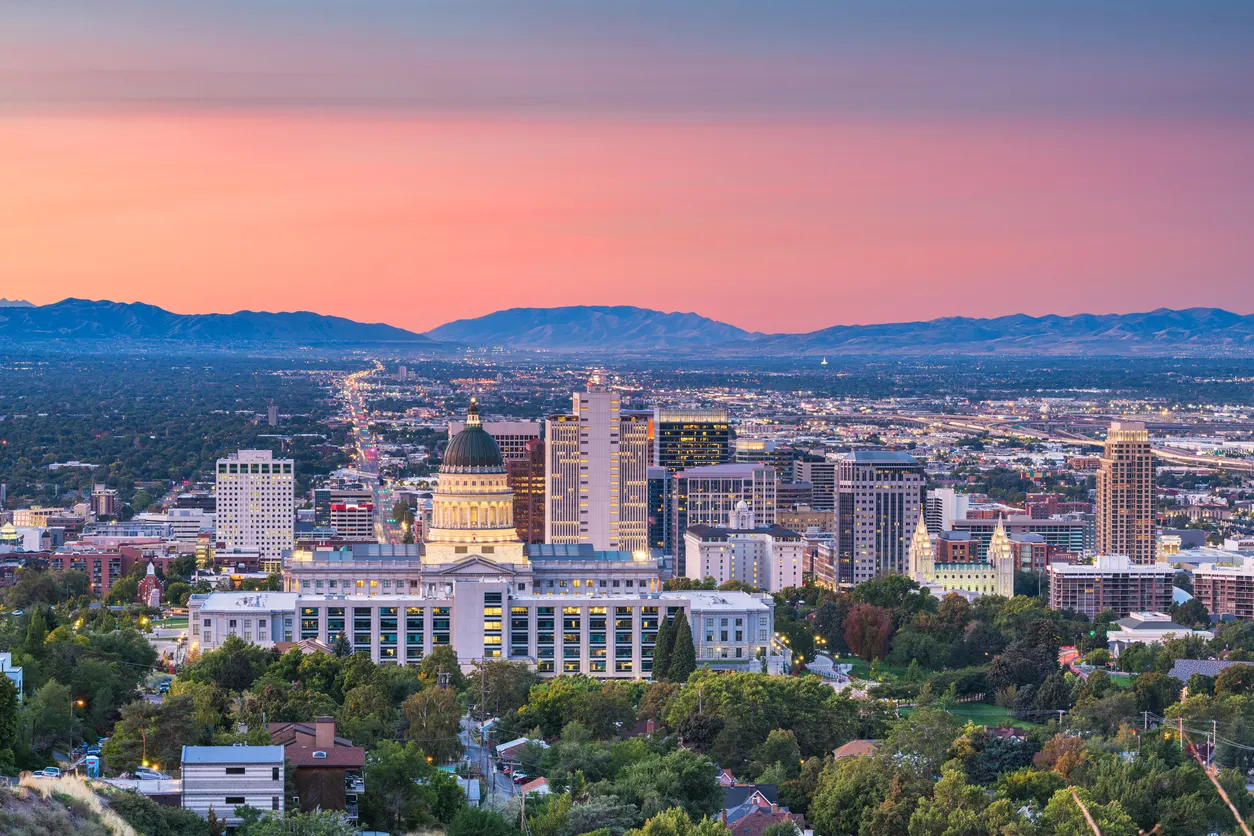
x,y
627,330
84,318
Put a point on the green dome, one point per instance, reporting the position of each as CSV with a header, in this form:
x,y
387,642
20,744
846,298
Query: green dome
x,y
472,448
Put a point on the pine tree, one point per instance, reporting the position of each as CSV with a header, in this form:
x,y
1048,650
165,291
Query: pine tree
x,y
342,646
684,653
662,650
36,633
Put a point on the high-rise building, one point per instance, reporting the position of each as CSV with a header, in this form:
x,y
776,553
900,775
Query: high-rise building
x,y
272,414
764,451
706,495
659,507
1125,494
944,505
104,501
596,467
879,501
684,438
526,480
511,436
769,557
822,475
353,520
346,494
1110,582
255,502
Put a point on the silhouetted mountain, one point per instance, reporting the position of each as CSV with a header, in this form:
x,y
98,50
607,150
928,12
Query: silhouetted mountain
x,y
640,330
83,318
582,327
14,303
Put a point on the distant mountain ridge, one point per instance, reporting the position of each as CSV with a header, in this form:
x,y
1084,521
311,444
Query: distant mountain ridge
x,y
631,330
624,330
84,318
14,303
590,327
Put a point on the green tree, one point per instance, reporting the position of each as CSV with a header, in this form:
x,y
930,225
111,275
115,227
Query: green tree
x,y
684,654
123,591
606,813
36,633
367,715
848,791
235,665
9,728
1063,817
433,720
680,779
677,822
922,739
395,799
316,823
1155,691
156,732
1235,680
505,686
443,661
780,748
662,648
476,821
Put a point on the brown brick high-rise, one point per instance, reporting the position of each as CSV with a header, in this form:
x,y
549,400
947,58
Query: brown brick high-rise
x,y
526,480
1125,494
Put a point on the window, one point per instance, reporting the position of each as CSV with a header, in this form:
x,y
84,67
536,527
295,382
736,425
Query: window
x,y
274,802
274,774
235,770
235,801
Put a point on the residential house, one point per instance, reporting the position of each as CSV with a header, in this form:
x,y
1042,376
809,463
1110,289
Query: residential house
x,y
223,778
326,769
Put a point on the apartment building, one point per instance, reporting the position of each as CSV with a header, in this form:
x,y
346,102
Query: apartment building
x,y
1110,582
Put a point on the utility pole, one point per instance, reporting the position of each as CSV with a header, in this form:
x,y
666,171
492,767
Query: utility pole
x,y
1145,721
1181,724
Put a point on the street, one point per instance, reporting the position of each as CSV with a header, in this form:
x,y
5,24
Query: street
x,y
495,781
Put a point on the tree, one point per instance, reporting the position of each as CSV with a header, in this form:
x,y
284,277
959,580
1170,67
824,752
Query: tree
x,y
316,823
1234,680
8,726
442,661
506,686
235,665
922,739
684,655
343,647
1155,691
434,719
155,732
606,813
123,591
367,715
1192,613
679,779
848,790
476,821
1063,817
36,632
662,648
676,822
780,747
867,630
395,799
699,731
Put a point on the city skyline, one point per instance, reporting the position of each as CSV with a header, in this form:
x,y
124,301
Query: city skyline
x,y
445,162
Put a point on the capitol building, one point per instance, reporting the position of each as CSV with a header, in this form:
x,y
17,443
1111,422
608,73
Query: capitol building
x,y
474,585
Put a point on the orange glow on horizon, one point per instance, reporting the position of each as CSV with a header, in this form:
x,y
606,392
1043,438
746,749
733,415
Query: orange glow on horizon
x,y
417,220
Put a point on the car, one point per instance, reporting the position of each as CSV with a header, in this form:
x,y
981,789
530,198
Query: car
x,y
145,773
38,773
164,688
520,778
50,772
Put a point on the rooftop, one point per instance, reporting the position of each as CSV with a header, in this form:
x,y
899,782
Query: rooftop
x,y
880,457
742,470
232,754
703,599
250,601
1111,563
575,551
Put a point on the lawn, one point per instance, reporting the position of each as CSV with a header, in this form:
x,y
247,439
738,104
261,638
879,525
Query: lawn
x,y
982,714
172,623
861,670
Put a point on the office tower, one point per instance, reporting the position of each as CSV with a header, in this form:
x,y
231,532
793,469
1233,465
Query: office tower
x,y
770,557
790,496
596,466
822,475
272,415
944,505
879,499
526,480
402,373
349,494
706,495
255,503
764,451
512,437
1125,494
104,501
353,520
659,507
684,438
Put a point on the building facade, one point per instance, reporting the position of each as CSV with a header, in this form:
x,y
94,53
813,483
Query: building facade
x,y
1061,535
1110,582
879,502
686,438
1226,590
707,495
526,480
994,576
821,474
769,557
1125,494
256,504
221,778
596,468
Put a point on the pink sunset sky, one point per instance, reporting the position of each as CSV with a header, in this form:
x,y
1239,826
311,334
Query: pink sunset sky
x,y
781,172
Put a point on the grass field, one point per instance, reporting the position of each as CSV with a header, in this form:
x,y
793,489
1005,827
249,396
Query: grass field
x,y
173,623
861,670
983,714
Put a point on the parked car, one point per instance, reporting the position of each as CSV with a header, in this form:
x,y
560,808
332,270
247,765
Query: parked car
x,y
94,749
145,773
520,778
47,772
164,688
